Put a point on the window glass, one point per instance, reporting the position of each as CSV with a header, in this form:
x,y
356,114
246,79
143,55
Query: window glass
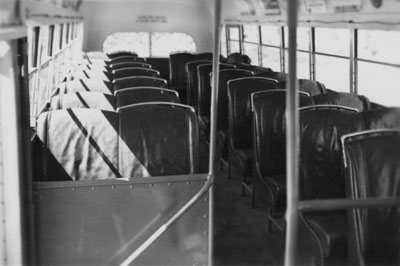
x,y
250,33
271,35
224,51
44,43
270,58
332,41
251,50
379,83
333,72
162,43
303,38
33,37
303,64
379,45
56,39
128,41
234,47
234,33
42,92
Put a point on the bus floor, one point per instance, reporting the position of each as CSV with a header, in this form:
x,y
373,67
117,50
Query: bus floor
x,y
241,235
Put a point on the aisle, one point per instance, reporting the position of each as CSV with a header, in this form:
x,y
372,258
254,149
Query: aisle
x,y
241,232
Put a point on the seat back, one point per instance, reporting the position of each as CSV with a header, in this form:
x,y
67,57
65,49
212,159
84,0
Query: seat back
x,y
161,64
225,76
255,69
134,71
163,137
269,130
79,144
279,76
86,99
81,85
121,54
373,171
177,63
321,167
310,86
382,118
192,81
145,94
359,102
121,59
204,81
240,114
139,81
129,64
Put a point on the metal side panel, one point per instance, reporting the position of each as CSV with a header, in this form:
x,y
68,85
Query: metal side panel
x,y
103,222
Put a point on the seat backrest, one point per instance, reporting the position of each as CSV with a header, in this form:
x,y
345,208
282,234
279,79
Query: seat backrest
x,y
145,94
321,167
129,64
139,81
192,81
225,76
203,56
134,71
121,59
255,69
80,85
79,144
240,114
269,130
373,171
279,76
86,99
120,54
163,137
310,86
361,103
204,86
161,64
381,118
177,63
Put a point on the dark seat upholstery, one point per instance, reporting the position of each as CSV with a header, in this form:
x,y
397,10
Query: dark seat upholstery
x,y
204,96
255,69
139,81
373,171
359,102
145,94
177,62
121,59
120,54
269,146
161,64
240,118
310,86
81,85
94,100
279,76
163,137
193,81
322,173
134,71
129,64
381,118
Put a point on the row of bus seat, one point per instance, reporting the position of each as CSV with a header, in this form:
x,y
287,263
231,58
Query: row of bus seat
x,y
139,140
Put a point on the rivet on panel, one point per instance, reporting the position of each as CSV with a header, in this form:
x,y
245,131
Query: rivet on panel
x,y
73,189
150,185
206,199
112,187
188,183
205,216
92,188
131,186
205,232
169,184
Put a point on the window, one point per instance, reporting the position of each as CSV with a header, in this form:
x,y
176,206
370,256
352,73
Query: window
x,y
333,72
162,43
224,50
270,47
233,39
332,41
251,42
270,35
271,58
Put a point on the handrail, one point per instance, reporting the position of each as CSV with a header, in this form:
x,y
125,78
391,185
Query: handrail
x,y
340,204
292,140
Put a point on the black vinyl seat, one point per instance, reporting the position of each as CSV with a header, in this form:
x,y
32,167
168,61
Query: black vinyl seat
x,y
85,99
129,64
269,147
255,69
162,136
122,59
322,175
381,118
361,103
177,62
130,96
310,86
279,76
204,95
139,81
193,81
82,85
134,71
240,119
373,171
120,54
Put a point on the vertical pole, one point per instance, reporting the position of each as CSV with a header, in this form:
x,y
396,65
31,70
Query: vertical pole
x,y
282,51
312,53
292,133
213,124
353,60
